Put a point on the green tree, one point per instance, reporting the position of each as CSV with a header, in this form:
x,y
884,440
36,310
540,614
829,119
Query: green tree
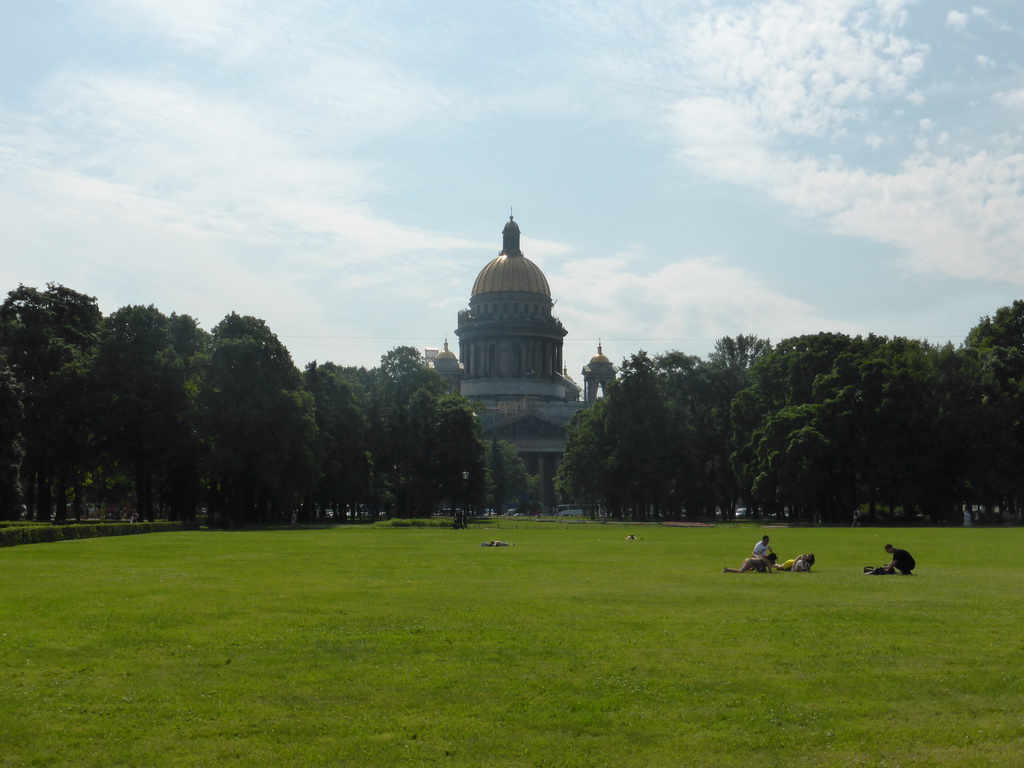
x,y
11,413
1005,330
997,447
401,410
144,415
48,337
457,457
725,374
781,452
996,346
645,441
259,425
583,475
342,428
688,483
793,461
507,475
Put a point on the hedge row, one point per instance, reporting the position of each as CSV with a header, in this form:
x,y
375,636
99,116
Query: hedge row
x,y
37,534
416,522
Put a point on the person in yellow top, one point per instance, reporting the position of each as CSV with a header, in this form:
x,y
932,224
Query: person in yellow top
x,y
798,563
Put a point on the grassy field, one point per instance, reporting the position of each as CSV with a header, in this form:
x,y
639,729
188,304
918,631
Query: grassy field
x,y
367,647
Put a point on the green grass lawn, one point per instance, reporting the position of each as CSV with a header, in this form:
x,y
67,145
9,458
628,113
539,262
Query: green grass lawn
x,y
369,646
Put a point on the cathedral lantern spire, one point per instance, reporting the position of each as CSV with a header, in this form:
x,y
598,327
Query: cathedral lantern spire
x,y
510,239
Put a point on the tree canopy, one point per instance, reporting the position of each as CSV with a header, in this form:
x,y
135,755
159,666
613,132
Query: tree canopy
x,y
144,413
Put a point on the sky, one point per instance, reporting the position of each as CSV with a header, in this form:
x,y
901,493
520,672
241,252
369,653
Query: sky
x,y
681,170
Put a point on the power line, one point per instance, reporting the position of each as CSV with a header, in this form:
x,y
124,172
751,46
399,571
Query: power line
x,y
577,339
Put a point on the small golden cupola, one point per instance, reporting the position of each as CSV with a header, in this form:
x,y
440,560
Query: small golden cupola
x,y
597,374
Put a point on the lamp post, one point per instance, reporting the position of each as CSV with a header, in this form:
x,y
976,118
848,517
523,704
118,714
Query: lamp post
x,y
465,493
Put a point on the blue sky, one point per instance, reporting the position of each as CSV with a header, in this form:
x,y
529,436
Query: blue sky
x,y
681,171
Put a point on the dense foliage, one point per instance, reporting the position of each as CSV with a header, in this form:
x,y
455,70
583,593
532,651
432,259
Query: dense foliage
x,y
141,415
145,415
818,428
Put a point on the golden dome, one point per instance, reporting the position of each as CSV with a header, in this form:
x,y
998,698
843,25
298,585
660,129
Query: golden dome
x,y
446,354
511,271
600,357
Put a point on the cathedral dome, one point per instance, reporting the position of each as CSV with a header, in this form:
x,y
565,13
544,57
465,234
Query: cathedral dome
x,y
511,271
600,357
446,354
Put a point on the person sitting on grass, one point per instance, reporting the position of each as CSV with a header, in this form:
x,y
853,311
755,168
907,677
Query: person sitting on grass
x,y
753,563
902,561
798,563
763,549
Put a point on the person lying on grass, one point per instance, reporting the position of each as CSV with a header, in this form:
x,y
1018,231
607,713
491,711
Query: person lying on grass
x,y
798,563
753,563
496,543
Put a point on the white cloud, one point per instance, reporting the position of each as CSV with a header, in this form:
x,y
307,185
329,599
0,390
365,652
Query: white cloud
x,y
957,20
1013,99
164,190
687,304
263,144
216,163
990,19
804,68
959,217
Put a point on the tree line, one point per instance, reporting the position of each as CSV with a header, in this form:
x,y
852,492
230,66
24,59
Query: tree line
x,y
150,412
820,427
145,411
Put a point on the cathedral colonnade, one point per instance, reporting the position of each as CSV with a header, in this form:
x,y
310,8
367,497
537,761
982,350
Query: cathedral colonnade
x,y
500,357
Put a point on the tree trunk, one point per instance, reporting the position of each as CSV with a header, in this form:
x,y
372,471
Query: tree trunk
x,y
61,511
44,496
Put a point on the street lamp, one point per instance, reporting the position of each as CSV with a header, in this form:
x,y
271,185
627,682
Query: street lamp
x,y
465,493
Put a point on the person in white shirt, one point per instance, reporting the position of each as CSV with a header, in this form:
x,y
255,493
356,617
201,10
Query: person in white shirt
x,y
763,549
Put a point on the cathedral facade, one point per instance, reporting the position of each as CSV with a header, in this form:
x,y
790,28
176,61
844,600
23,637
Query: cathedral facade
x,y
510,362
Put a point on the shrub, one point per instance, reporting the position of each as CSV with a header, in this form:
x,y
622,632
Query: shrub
x,y
418,522
44,532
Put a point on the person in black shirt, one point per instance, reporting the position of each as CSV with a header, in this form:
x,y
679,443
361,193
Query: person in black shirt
x,y
902,561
